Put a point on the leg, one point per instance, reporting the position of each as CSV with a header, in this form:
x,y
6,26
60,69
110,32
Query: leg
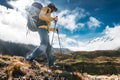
x,y
43,33
49,55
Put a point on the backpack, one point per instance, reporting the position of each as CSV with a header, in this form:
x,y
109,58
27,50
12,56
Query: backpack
x,y
33,16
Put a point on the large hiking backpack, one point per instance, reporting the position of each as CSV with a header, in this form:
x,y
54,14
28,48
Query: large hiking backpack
x,y
33,16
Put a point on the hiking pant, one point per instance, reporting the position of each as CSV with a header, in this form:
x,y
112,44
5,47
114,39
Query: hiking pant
x,y
44,47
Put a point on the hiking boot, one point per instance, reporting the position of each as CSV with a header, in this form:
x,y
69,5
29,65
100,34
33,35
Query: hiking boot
x,y
54,67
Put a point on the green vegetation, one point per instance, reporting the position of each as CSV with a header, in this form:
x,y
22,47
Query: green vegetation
x,y
79,59
94,62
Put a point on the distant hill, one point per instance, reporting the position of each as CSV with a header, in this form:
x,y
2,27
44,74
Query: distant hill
x,y
64,50
20,49
11,48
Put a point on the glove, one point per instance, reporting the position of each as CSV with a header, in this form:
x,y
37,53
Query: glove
x,y
56,19
57,30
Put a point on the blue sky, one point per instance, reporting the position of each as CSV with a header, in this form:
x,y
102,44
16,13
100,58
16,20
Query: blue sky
x,y
5,3
105,11
83,24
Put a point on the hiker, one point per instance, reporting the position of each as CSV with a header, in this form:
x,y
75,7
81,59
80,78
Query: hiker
x,y
43,30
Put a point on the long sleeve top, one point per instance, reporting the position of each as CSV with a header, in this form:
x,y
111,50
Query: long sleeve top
x,y
45,15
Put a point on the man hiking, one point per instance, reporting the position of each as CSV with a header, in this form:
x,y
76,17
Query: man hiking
x,y
43,30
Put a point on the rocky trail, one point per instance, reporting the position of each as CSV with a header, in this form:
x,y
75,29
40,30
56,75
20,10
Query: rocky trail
x,y
16,68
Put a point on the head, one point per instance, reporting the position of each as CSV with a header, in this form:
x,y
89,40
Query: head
x,y
52,6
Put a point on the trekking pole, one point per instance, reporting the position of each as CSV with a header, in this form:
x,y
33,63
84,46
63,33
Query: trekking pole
x,y
59,42
61,52
53,32
58,37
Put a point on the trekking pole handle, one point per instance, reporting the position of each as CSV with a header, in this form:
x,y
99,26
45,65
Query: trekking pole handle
x,y
56,19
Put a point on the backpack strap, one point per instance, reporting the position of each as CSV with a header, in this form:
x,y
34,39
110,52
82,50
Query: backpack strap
x,y
47,11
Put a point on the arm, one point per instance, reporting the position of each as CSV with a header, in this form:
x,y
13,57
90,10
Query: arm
x,y
53,29
44,16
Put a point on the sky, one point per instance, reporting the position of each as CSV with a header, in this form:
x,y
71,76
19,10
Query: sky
x,y
84,25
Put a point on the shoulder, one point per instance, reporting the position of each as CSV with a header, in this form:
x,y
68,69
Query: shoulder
x,y
46,8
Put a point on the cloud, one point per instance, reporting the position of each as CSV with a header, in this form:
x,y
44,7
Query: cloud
x,y
110,41
13,24
13,28
81,25
21,4
47,2
93,22
68,18
3,9
67,42
113,32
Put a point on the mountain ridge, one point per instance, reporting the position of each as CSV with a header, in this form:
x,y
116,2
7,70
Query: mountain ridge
x,y
20,49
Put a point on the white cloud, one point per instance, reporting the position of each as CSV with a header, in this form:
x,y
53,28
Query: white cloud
x,y
81,25
13,28
68,18
47,2
21,4
110,41
13,24
113,32
67,42
3,9
93,22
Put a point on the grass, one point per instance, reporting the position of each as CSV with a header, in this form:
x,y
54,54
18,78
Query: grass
x,y
94,62
79,59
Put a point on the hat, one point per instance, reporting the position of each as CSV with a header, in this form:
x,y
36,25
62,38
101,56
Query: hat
x,y
51,5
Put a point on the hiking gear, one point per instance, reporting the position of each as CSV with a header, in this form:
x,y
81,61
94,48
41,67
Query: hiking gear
x,y
58,40
33,20
57,30
59,43
52,6
60,49
53,32
53,67
56,19
44,47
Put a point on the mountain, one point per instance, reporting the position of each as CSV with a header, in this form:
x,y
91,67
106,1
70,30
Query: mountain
x,y
64,50
103,43
20,49
101,39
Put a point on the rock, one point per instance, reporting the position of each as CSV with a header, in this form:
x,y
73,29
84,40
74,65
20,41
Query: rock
x,y
16,68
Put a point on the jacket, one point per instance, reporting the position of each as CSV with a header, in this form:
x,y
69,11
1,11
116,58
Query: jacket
x,y
45,15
